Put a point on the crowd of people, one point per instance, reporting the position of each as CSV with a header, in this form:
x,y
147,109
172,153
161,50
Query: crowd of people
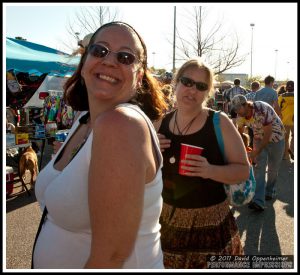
x,y
112,196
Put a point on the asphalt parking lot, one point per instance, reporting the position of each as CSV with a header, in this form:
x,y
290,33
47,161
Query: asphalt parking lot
x,y
265,233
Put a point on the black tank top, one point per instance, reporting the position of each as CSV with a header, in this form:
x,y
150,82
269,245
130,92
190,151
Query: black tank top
x,y
191,192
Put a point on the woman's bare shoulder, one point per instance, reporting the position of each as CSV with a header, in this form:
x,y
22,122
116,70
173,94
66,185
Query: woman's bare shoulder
x,y
121,121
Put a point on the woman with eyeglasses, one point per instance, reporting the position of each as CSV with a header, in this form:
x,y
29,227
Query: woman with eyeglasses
x,y
196,219
101,193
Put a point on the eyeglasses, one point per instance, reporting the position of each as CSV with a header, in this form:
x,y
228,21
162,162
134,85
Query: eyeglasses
x,y
100,51
202,87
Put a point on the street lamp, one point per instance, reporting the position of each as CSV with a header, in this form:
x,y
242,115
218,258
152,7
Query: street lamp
x,y
77,36
153,58
276,51
251,25
174,39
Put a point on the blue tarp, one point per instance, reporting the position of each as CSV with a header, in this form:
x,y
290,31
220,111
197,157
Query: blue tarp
x,y
25,56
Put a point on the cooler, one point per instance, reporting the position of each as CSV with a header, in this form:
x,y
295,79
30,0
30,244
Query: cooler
x,y
9,180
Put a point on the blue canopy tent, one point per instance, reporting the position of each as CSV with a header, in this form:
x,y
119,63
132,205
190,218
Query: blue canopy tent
x,y
24,56
28,65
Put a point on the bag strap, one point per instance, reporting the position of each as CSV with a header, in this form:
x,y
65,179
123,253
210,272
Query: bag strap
x,y
43,218
216,121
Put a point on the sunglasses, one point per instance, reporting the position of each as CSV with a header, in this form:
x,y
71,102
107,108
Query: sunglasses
x,y
100,51
187,82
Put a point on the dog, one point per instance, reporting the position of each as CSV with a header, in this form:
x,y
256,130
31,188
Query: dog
x,y
28,161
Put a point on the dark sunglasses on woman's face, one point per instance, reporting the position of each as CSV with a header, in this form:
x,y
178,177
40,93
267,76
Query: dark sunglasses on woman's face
x,y
201,86
100,51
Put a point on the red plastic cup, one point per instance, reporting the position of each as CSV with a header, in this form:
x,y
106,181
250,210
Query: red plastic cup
x,y
187,149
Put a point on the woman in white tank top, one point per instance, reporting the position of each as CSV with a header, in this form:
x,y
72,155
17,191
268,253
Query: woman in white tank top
x,y
102,190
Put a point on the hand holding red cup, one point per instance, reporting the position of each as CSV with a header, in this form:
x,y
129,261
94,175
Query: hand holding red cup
x,y
187,149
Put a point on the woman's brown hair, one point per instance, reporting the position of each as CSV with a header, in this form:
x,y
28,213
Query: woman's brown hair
x,y
149,96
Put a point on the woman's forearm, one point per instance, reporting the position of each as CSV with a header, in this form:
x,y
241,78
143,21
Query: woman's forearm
x,y
230,173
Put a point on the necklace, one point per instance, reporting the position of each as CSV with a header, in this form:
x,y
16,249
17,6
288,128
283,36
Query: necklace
x,y
186,128
182,132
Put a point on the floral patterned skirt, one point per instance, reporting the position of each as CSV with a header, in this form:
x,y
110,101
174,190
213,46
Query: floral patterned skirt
x,y
189,236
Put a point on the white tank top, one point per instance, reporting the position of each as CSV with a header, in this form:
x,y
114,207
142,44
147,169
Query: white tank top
x,y
65,239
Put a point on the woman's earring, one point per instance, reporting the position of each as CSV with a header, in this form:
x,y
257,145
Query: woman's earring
x,y
82,81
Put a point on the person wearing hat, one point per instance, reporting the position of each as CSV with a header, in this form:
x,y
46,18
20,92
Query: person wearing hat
x,y
85,41
255,85
83,44
229,94
268,148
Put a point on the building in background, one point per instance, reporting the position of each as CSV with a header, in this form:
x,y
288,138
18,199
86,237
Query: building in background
x,y
232,77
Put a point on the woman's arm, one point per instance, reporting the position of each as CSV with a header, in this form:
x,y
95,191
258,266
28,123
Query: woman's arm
x,y
237,168
117,178
264,142
277,108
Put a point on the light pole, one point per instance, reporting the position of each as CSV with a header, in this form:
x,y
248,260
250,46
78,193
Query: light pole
x,y
276,51
153,58
174,39
252,26
288,67
77,36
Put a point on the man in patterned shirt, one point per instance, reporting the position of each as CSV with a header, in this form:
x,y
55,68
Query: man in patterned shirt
x,y
255,85
268,148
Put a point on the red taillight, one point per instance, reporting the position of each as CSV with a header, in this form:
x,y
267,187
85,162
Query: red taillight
x,y
42,95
